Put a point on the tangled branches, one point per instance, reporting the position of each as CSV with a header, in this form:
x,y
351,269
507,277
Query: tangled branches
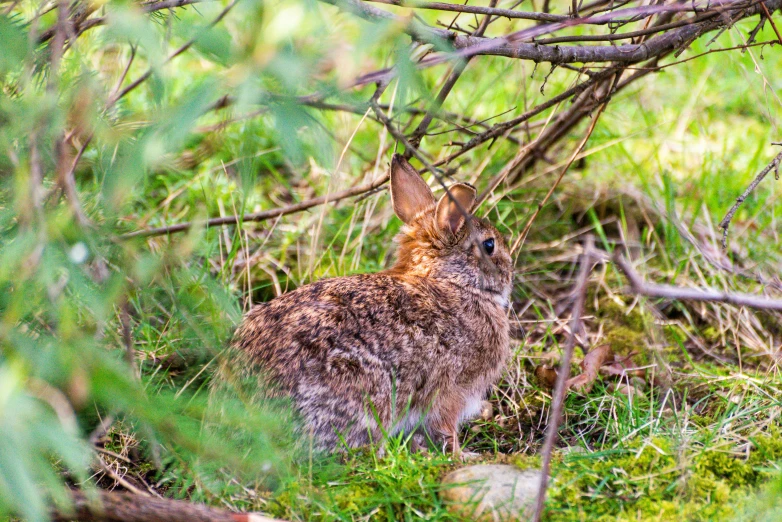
x,y
614,44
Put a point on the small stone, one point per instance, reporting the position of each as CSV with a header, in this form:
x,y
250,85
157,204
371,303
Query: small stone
x,y
491,492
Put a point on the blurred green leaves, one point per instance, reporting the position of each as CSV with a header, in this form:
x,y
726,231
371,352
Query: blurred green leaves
x,y
130,117
40,438
14,44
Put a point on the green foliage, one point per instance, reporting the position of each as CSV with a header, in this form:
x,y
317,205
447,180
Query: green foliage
x,y
72,295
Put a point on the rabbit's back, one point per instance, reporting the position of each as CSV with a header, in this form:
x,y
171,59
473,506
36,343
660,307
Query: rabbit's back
x,y
355,351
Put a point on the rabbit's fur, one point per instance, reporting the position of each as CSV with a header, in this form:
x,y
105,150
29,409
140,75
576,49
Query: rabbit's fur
x,y
417,345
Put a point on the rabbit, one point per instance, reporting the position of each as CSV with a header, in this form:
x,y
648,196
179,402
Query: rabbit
x,y
411,349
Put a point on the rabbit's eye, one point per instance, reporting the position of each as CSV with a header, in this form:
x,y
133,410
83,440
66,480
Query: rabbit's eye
x,y
488,246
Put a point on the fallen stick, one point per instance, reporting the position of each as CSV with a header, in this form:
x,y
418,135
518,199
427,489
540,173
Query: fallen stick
x,y
127,507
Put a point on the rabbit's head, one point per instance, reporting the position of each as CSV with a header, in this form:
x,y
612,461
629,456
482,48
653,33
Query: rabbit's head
x,y
442,240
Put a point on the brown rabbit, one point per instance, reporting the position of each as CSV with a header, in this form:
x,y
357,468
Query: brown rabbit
x,y
415,346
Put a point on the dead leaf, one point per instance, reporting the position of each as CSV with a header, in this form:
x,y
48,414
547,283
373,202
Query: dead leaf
x,y
623,367
590,367
547,376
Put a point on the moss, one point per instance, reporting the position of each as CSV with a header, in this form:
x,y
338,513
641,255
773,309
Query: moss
x,y
767,449
648,479
674,333
397,487
610,310
715,472
711,334
705,486
643,482
624,332
524,461
702,421
624,340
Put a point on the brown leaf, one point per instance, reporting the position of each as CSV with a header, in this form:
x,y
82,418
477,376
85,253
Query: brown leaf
x,y
590,367
546,375
623,367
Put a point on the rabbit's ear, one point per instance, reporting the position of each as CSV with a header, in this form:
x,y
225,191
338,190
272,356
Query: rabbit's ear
x,y
451,216
410,195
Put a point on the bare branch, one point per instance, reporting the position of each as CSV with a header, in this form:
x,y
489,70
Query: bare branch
x,y
472,9
80,22
558,399
259,216
725,223
517,45
638,286
445,90
151,7
65,178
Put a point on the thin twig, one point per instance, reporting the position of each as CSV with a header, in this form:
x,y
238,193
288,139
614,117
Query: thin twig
x,y
771,21
448,85
127,338
81,24
119,479
725,223
695,56
410,148
472,9
520,240
101,429
124,74
141,79
64,173
66,179
499,129
260,216
558,399
638,286
521,44
58,45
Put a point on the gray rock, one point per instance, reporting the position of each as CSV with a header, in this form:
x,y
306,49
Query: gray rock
x,y
491,492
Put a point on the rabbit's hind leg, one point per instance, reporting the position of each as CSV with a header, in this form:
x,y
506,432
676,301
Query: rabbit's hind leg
x,y
442,423
336,420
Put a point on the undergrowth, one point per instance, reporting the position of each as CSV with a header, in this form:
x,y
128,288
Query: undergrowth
x,y
109,345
